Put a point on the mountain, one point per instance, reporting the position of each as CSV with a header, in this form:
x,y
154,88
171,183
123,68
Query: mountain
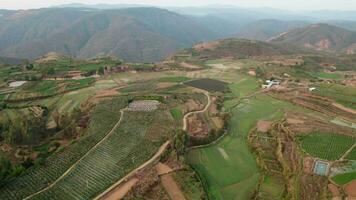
x,y
265,29
134,34
321,37
240,48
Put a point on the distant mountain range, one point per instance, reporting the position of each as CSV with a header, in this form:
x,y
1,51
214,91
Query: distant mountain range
x,y
321,37
135,34
147,34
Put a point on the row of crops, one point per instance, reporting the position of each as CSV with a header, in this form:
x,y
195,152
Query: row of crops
x,y
104,117
120,153
326,146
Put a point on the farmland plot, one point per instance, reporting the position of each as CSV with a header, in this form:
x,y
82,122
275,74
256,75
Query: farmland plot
x,y
327,146
104,117
120,153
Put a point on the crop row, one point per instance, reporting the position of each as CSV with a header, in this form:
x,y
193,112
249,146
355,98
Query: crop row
x,y
104,117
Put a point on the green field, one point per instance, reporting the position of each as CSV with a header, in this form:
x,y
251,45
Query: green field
x,y
177,113
228,168
326,146
342,179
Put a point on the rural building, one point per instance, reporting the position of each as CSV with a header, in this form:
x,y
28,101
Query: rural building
x,y
270,83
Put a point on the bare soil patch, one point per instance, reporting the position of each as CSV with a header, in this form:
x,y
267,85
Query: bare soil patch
x,y
171,187
334,190
197,126
120,192
263,126
163,169
350,189
189,66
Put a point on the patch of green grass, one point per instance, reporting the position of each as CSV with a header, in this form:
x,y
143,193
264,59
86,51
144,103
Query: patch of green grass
x,y
342,179
177,113
328,146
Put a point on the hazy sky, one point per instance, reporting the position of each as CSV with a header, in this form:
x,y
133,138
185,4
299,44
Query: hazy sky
x,y
281,4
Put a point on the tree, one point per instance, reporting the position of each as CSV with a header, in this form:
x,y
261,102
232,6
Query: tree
x,y
29,66
180,140
259,72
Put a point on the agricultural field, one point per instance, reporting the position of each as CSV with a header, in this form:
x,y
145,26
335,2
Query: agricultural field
x,y
217,164
104,117
328,146
207,84
40,89
345,95
106,163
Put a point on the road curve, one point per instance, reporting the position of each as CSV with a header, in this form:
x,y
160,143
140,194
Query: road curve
x,y
195,112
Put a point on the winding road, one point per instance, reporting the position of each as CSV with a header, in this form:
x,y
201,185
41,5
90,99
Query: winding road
x,y
196,112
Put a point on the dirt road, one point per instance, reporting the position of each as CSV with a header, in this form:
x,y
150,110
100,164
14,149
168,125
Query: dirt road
x,y
196,112
78,161
168,182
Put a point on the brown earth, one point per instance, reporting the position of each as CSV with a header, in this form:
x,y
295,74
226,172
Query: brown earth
x,y
263,126
192,105
122,191
308,165
350,189
171,187
162,169
197,125
165,85
334,190
189,66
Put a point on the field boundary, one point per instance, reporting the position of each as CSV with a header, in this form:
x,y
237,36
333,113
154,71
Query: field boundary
x,y
77,162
